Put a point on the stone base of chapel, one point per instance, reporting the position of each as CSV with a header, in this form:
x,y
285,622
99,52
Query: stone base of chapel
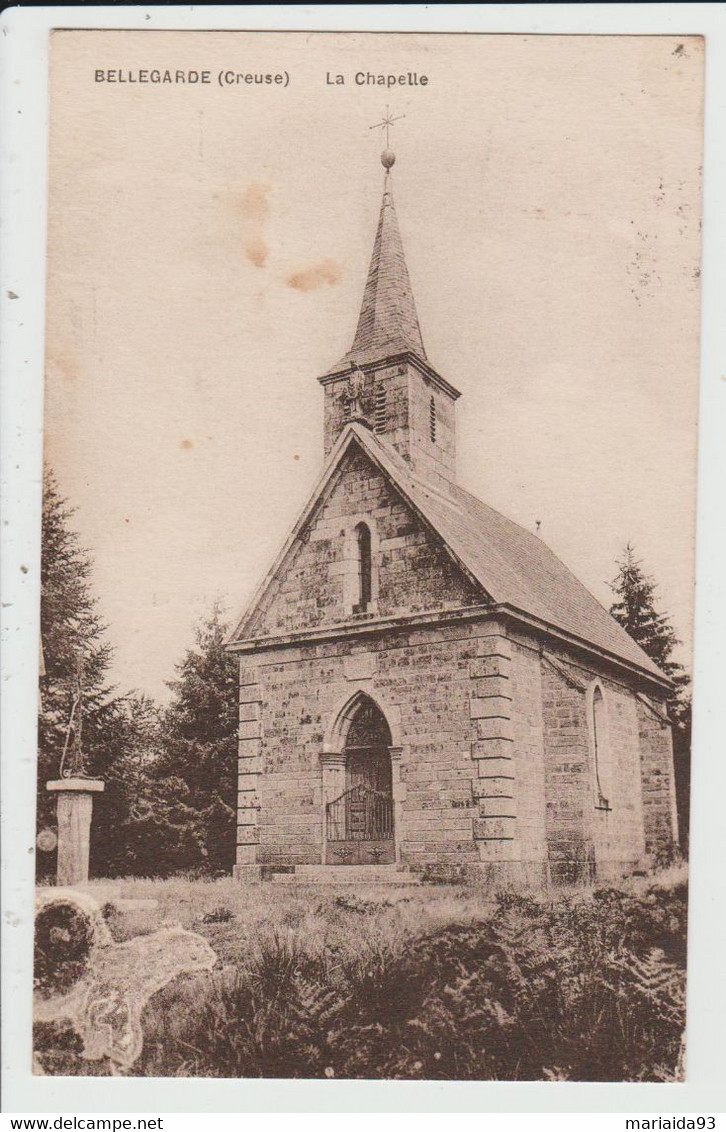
x,y
489,874
325,874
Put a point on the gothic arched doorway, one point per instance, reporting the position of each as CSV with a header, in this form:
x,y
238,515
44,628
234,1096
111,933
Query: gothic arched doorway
x,y
359,823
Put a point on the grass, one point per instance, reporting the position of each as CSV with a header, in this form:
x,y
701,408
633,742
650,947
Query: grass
x,y
412,982
323,918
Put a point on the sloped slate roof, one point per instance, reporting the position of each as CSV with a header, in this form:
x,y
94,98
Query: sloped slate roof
x,y
388,323
513,566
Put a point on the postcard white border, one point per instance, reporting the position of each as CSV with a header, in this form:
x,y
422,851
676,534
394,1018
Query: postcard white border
x,y
23,98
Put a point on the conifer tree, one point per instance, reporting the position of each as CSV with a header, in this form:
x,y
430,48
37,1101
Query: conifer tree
x,y
634,607
73,643
129,834
170,775
197,767
636,610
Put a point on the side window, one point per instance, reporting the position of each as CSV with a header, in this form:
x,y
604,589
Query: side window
x,y
365,581
601,749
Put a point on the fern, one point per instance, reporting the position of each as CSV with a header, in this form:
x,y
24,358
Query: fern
x,y
651,978
565,989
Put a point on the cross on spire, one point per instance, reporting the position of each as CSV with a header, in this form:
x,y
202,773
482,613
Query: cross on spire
x,y
386,123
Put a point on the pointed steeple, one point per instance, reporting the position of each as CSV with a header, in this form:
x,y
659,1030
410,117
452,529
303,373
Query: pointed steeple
x,y
388,323
385,381
388,313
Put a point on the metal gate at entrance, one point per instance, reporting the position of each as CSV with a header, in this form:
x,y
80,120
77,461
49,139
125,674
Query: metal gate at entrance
x,y
359,824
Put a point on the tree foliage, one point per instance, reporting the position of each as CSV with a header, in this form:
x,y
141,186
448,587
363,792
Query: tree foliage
x,y
635,607
72,640
173,784
197,763
169,773
117,730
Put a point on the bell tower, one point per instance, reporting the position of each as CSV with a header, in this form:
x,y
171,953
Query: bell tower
x,y
385,380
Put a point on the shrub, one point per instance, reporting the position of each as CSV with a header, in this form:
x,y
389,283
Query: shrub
x,y
62,946
586,989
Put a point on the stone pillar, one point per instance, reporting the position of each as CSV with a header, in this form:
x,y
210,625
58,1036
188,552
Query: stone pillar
x,y
75,808
249,769
333,765
493,749
399,796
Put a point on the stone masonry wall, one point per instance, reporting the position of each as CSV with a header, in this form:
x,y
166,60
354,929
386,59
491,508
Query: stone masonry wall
x,y
529,752
618,832
249,763
413,572
583,835
494,765
465,792
421,681
568,792
437,456
658,784
394,379
404,416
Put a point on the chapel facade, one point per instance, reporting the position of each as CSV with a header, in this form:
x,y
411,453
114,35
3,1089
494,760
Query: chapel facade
x,y
424,686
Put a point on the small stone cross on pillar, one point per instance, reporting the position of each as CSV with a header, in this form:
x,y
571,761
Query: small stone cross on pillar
x,y
75,800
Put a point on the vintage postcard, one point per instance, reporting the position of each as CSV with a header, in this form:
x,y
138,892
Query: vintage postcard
x,y
368,555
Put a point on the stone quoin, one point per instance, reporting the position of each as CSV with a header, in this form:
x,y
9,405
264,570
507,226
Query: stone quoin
x,y
423,684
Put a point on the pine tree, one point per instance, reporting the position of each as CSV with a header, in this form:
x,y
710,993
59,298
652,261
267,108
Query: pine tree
x,y
197,768
124,841
170,775
635,608
73,641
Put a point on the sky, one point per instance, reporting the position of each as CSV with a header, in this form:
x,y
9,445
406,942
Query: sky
x,y
207,251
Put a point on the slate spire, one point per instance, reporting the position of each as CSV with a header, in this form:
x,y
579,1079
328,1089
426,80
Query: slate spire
x,y
388,323
388,312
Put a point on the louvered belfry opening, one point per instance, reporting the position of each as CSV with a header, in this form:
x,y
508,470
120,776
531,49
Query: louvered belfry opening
x,y
379,413
359,824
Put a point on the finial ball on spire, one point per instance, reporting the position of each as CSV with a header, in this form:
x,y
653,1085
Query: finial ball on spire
x,y
388,158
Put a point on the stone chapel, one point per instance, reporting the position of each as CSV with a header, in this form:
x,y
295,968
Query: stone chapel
x,y
424,686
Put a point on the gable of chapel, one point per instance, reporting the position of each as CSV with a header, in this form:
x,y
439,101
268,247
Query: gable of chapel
x,y
317,583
